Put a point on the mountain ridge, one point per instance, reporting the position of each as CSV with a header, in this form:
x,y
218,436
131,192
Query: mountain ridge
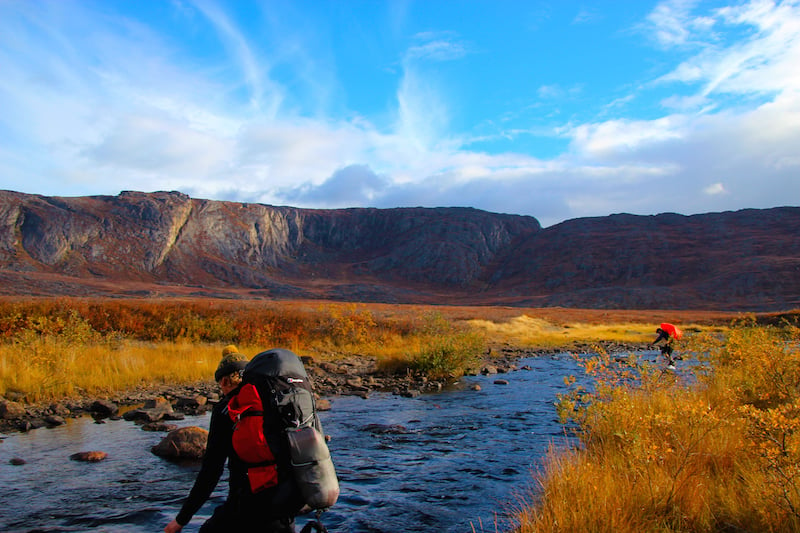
x,y
169,244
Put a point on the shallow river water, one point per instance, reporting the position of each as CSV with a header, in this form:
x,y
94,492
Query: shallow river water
x,y
445,462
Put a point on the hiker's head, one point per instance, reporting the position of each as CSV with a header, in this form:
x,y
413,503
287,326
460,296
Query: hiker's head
x,y
659,331
229,370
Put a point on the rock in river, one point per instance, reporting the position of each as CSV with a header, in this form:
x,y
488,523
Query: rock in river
x,y
183,443
89,457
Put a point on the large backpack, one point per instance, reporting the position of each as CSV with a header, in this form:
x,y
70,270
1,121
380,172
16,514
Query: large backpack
x,y
274,411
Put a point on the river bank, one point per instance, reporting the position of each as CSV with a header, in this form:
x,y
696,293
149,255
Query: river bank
x,y
347,376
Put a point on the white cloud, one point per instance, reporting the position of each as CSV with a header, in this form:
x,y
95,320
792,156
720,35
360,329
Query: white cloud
x,y
714,189
355,185
436,48
618,136
267,99
670,22
762,63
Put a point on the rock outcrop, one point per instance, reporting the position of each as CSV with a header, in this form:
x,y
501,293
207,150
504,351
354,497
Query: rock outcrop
x,y
166,243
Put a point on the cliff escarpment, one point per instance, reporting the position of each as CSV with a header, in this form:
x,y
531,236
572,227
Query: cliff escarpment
x,y
166,243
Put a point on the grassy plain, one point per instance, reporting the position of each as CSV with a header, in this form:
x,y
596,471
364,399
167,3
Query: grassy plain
x,y
54,348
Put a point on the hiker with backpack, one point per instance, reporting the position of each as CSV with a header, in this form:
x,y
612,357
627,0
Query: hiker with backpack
x,y
242,510
667,332
267,429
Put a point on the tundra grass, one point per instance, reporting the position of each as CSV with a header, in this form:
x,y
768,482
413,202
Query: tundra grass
x,y
51,348
720,452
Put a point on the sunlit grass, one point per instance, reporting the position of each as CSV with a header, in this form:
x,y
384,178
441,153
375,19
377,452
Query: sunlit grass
x,y
51,348
527,331
49,368
56,349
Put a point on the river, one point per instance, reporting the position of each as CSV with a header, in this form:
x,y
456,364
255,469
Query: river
x,y
447,462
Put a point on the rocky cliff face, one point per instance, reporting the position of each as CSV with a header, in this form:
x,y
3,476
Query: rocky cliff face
x,y
168,243
171,238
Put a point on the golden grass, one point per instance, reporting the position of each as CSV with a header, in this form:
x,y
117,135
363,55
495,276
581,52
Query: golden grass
x,y
51,348
657,454
531,332
48,368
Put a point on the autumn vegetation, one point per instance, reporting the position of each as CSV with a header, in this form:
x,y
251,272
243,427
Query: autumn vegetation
x,y
52,348
714,449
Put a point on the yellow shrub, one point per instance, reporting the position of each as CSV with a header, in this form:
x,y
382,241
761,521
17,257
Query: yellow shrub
x,y
658,454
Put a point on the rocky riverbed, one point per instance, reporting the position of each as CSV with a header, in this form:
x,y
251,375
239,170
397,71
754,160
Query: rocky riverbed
x,y
154,407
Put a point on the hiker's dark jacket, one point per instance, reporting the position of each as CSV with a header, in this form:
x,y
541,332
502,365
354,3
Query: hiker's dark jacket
x,y
663,336
218,450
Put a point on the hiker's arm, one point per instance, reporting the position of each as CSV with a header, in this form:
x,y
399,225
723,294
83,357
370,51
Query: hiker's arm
x,y
219,441
661,336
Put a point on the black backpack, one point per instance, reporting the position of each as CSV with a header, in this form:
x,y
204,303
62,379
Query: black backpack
x,y
275,421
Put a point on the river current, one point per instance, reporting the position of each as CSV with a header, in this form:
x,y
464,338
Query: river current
x,y
454,461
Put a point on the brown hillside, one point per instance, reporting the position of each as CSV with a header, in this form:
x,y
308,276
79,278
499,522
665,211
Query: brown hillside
x,y
147,244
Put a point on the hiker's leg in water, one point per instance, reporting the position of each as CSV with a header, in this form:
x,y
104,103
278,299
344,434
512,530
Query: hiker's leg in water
x,y
667,351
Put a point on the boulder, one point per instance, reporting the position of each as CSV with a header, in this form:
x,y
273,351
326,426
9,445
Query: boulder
x,y
144,415
158,403
89,457
330,368
356,383
10,410
323,405
17,461
154,410
59,409
183,443
103,408
191,402
54,420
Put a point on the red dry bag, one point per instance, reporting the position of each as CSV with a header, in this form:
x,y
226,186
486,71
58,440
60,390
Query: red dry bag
x,y
247,412
672,330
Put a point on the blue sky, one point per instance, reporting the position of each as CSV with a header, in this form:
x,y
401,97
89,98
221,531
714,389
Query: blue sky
x,y
555,109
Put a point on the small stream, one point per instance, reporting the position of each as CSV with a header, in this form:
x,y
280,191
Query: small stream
x,y
445,462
